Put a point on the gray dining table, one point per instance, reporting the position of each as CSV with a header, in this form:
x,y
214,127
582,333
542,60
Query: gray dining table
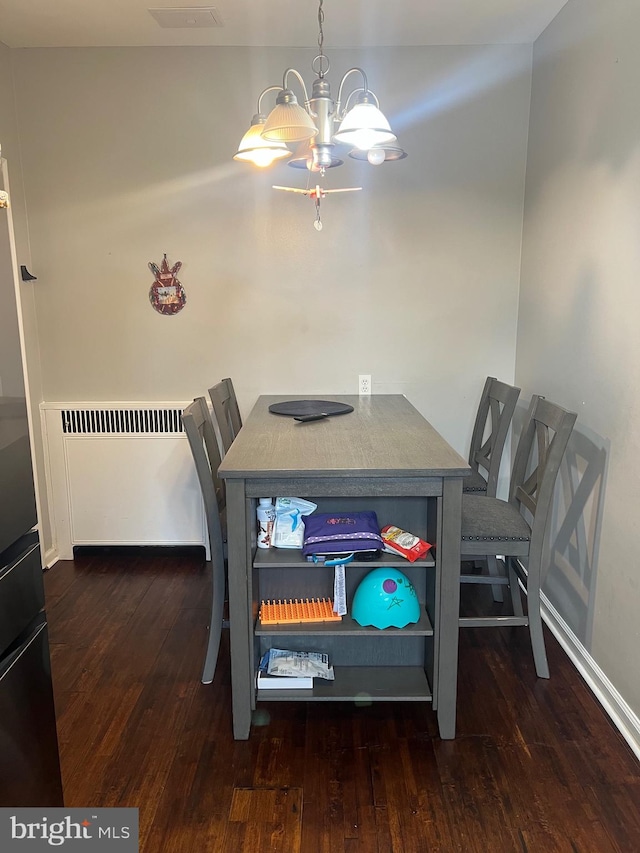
x,y
383,455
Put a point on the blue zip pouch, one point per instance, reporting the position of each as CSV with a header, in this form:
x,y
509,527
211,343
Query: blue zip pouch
x,y
342,533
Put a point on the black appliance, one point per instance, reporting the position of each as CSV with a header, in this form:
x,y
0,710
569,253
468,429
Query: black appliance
x,y
29,759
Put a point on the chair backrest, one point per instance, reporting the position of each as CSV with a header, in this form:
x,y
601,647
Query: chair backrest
x,y
541,446
226,411
497,405
206,455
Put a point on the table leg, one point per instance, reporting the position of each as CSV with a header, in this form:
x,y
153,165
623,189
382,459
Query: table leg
x,y
239,624
449,547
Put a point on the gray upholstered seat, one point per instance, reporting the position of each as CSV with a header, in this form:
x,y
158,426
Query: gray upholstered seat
x,y
475,483
515,530
206,456
226,412
492,520
493,418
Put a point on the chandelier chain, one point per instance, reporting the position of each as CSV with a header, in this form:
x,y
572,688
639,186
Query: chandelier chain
x,y
321,36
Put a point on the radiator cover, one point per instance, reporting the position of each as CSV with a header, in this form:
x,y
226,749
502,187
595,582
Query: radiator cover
x,y
120,474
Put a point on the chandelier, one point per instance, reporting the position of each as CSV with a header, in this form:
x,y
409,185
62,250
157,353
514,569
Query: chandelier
x,y
362,130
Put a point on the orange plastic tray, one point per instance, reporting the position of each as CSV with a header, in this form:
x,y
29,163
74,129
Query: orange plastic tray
x,y
303,610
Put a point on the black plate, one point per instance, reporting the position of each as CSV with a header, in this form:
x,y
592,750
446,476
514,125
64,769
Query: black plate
x,y
302,408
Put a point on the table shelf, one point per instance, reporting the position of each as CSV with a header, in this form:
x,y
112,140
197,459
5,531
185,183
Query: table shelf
x,y
346,628
281,558
360,684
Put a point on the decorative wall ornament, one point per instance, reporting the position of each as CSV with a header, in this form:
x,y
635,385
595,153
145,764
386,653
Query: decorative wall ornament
x,y
167,294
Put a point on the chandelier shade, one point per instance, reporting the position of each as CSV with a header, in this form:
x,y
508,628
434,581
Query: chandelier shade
x,y
254,148
314,157
378,154
364,126
288,121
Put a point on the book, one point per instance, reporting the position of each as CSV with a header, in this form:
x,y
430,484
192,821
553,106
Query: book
x,y
283,682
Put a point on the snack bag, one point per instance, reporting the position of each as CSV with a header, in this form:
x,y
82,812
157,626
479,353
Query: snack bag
x,y
398,541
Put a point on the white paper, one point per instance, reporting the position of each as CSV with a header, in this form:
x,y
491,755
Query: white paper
x,y
339,591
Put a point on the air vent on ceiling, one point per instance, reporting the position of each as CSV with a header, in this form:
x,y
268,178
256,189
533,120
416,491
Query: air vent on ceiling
x,y
193,17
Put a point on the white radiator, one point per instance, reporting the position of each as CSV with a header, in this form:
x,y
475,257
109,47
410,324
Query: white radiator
x,y
120,474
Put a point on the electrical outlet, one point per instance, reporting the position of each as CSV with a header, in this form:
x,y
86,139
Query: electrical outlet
x,y
364,384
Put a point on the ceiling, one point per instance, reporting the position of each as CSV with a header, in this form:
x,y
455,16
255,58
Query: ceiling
x,y
271,23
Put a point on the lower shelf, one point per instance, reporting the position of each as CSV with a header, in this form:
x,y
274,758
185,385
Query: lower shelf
x,y
361,684
346,628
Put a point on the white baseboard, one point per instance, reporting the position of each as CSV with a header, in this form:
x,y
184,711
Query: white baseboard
x,y
622,716
50,557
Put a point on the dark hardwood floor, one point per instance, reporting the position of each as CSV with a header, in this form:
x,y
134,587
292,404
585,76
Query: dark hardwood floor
x,y
536,765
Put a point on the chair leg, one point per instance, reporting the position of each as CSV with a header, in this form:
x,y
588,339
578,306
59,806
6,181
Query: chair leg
x,y
535,631
215,626
492,564
514,588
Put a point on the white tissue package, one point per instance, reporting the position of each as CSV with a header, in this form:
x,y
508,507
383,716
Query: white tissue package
x,y
288,530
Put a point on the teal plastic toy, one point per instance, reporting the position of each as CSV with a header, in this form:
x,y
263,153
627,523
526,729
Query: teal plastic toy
x,y
385,598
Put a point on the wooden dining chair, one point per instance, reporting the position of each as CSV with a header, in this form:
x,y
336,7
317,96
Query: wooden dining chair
x,y
515,530
493,418
206,456
226,412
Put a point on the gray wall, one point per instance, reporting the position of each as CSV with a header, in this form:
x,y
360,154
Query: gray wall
x,y
127,154
578,340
